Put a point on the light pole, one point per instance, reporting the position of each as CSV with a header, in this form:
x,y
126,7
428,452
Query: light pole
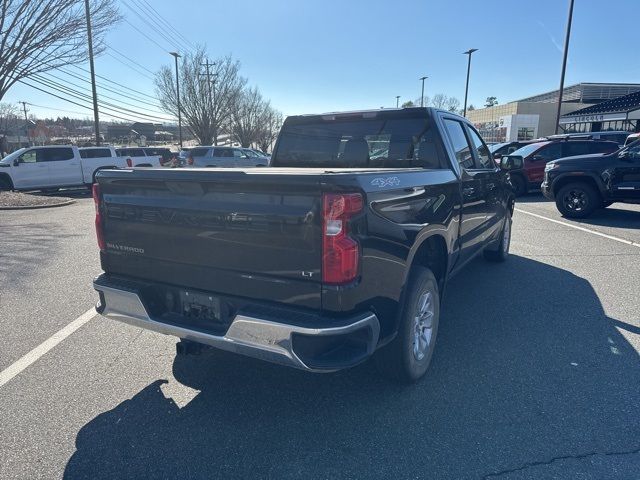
x,y
466,90
422,96
397,101
176,55
564,63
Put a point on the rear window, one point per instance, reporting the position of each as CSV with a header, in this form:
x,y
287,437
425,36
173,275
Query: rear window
x,y
95,153
360,143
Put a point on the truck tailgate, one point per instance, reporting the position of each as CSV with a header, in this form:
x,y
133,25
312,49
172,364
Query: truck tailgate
x,y
229,231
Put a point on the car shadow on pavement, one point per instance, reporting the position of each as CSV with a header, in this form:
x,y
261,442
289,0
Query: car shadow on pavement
x,y
613,217
528,374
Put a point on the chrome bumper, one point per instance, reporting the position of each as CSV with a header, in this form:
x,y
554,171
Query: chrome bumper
x,y
255,337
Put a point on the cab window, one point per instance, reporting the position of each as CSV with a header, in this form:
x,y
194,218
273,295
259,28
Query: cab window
x,y
482,152
28,157
460,144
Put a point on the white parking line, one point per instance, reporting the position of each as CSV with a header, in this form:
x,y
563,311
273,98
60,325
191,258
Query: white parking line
x,y
600,234
15,368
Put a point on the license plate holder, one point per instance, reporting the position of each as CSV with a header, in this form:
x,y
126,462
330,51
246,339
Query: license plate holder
x,y
200,306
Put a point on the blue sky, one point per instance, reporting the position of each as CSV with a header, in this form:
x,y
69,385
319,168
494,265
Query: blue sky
x,y
324,55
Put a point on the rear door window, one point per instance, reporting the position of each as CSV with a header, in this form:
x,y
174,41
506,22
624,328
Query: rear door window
x,y
549,152
572,149
95,153
55,154
198,152
222,152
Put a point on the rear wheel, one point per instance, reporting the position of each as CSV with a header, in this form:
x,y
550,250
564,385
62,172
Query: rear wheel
x,y
519,185
408,356
577,200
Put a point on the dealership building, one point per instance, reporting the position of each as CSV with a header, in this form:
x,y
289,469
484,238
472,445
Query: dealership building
x,y
535,116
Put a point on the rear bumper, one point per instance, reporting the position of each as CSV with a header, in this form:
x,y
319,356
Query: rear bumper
x,y
316,348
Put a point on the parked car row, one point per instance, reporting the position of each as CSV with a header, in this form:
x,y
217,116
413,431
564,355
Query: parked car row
x,y
62,166
59,166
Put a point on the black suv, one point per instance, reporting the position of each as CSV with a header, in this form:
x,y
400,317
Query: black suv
x,y
579,185
536,155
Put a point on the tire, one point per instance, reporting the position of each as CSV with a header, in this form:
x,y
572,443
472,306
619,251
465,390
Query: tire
x,y
502,253
577,200
407,358
519,185
5,184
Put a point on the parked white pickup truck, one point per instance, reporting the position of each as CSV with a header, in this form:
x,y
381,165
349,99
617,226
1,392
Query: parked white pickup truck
x,y
56,166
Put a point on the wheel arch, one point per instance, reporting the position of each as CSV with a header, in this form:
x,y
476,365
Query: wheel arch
x,y
565,179
6,177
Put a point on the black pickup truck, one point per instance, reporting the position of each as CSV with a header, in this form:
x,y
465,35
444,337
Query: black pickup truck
x,y
343,246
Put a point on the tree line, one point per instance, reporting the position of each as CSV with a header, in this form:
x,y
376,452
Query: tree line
x,y
218,102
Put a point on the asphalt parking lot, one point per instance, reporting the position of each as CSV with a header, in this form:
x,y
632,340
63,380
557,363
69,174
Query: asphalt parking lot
x,y
536,373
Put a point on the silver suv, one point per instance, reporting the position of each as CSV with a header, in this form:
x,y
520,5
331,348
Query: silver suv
x,y
210,156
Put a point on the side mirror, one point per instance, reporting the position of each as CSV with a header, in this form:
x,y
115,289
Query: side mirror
x,y
16,162
624,154
497,156
511,162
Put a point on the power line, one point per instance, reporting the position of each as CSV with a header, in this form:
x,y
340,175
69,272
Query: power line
x,y
143,15
108,89
130,59
128,66
105,105
73,102
102,96
162,19
153,26
114,82
137,29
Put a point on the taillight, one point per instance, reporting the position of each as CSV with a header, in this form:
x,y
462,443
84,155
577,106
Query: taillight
x,y
340,252
99,226
129,162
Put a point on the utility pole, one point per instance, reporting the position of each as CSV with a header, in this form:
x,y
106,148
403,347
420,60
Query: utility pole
x,y
564,64
176,55
397,100
26,126
422,95
96,119
212,97
466,90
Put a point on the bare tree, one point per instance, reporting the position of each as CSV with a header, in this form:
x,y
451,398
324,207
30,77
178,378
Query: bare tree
x,y
453,104
40,35
439,100
270,128
8,117
207,104
249,117
408,104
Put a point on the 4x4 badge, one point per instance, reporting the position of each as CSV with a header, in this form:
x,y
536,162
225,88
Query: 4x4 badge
x,y
384,182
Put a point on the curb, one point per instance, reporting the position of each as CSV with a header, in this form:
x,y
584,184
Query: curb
x,y
34,207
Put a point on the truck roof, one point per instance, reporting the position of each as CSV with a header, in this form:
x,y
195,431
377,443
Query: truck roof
x,y
409,112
